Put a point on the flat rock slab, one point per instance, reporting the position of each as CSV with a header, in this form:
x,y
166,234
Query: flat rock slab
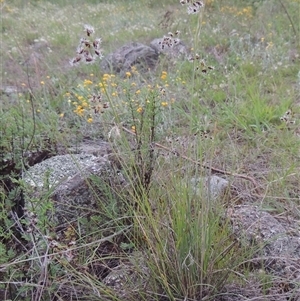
x,y
58,169
77,184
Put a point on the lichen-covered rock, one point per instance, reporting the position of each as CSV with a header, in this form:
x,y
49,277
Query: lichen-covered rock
x,y
212,187
77,185
59,168
277,251
132,54
253,225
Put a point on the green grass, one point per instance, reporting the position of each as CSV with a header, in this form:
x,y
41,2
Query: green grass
x,y
254,49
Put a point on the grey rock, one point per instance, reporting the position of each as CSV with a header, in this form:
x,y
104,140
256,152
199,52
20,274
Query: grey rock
x,y
9,90
78,185
141,56
98,148
253,225
132,54
276,249
212,187
58,169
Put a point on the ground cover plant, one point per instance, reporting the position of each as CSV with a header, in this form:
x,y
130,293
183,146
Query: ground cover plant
x,y
230,107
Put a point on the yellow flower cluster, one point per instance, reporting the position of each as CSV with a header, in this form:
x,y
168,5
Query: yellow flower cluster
x,y
164,75
87,82
81,104
92,97
245,12
108,80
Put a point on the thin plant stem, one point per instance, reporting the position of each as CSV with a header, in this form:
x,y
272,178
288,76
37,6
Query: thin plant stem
x,y
289,17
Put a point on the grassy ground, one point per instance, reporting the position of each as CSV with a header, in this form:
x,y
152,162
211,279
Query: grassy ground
x,y
241,104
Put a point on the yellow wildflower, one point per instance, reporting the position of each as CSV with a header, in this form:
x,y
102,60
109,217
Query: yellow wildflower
x,y
133,69
139,110
79,110
164,103
164,75
102,85
87,82
128,74
90,120
105,77
84,104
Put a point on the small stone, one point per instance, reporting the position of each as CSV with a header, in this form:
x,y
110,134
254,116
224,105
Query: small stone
x,y
212,186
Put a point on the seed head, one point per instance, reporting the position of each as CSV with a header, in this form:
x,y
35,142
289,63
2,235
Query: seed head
x,y
89,29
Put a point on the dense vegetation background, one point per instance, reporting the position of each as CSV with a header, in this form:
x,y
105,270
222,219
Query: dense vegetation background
x,y
241,117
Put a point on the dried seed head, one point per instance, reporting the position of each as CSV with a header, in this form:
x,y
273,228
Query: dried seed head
x,y
87,44
89,59
203,67
87,51
287,117
183,2
83,40
168,41
97,43
192,58
98,53
195,7
162,91
89,29
79,49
